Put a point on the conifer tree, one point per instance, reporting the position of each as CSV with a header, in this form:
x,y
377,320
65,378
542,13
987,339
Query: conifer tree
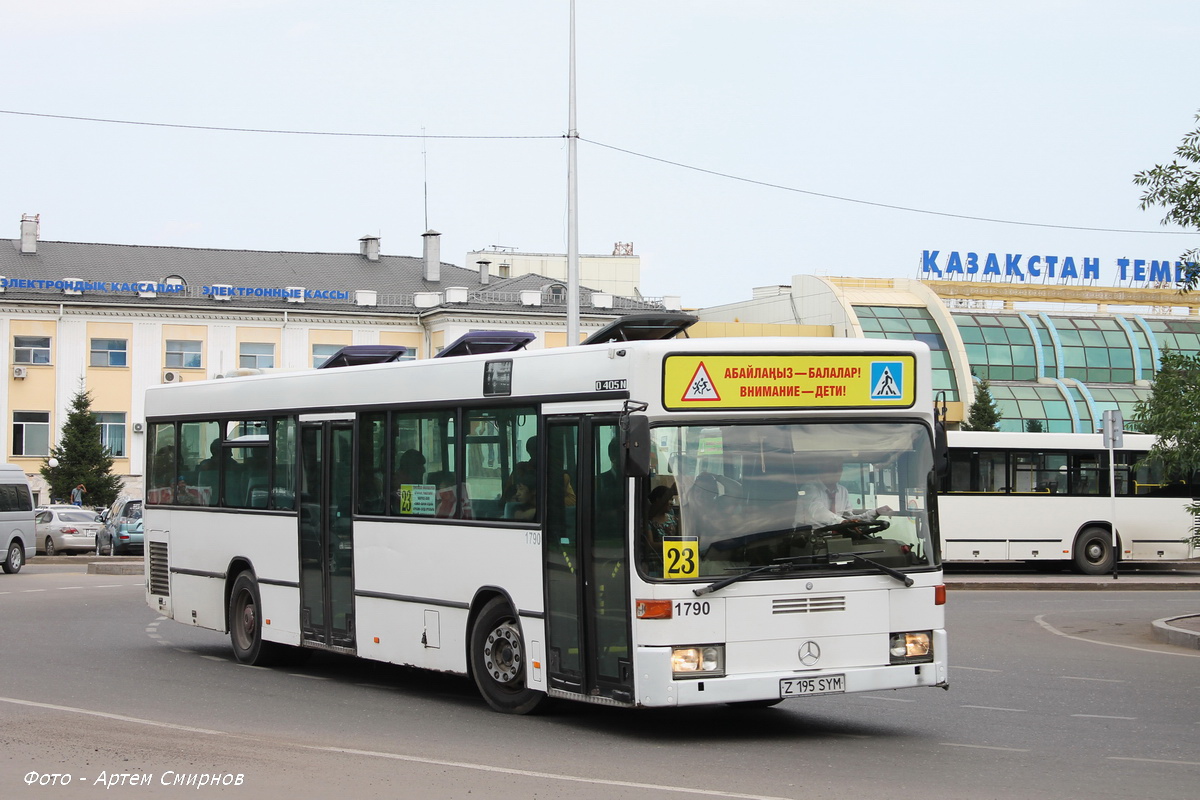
x,y
82,458
983,414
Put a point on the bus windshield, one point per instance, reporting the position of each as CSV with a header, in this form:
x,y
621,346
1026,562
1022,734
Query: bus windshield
x,y
811,497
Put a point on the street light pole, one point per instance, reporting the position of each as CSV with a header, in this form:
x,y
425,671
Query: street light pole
x,y
572,203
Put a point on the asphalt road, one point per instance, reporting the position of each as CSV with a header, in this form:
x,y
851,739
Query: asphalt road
x,y
1056,694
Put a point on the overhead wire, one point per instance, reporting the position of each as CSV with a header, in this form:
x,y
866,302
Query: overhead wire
x,y
626,151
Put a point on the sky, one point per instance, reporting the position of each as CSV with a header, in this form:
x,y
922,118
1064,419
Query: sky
x,y
734,143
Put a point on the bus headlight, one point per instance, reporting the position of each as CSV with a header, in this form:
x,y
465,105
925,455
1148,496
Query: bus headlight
x,y
698,661
912,648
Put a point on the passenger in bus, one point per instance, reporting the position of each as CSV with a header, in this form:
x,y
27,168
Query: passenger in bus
x,y
523,506
183,495
661,517
825,501
410,468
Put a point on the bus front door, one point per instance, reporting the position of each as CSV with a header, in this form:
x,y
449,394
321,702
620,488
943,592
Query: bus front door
x,y
587,560
326,535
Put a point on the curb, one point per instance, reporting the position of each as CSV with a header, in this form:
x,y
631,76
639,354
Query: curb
x,y
1165,632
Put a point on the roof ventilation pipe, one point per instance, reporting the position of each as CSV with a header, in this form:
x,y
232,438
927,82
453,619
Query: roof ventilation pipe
x,y
29,233
484,275
433,255
368,247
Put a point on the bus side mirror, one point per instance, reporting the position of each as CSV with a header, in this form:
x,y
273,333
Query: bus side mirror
x,y
941,450
635,442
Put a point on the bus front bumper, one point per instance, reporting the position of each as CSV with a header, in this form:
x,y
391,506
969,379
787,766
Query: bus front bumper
x,y
658,688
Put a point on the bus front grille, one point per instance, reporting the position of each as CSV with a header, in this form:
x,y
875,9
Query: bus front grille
x,y
160,581
807,605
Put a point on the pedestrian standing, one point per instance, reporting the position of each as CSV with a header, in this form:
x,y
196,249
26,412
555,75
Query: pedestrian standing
x,y
77,495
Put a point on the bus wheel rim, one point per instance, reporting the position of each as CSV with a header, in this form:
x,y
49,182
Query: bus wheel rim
x,y
502,653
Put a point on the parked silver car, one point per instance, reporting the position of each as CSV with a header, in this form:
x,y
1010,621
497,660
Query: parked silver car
x,y
65,529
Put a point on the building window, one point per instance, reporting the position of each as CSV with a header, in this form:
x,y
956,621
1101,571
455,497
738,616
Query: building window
x,y
31,349
112,433
109,353
31,433
182,353
256,355
321,352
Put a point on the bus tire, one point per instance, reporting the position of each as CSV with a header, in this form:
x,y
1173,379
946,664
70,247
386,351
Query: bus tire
x,y
497,654
1093,551
245,624
14,559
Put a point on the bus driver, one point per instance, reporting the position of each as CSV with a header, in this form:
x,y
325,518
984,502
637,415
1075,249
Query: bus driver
x,y
825,501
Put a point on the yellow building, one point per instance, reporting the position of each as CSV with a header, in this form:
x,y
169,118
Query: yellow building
x,y
115,319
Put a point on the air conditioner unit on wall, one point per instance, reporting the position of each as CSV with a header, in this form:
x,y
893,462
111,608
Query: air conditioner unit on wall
x,y
171,376
20,372
138,427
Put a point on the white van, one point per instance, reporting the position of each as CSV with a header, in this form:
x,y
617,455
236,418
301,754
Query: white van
x,y
16,517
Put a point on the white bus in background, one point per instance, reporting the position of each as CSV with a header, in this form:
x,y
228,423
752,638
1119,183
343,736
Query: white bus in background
x,y
1047,497
487,513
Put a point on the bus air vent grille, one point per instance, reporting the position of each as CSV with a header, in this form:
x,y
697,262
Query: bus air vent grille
x,y
160,582
807,605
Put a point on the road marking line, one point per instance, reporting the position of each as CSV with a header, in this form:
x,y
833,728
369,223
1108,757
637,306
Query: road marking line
x,y
1099,716
30,591
214,658
995,708
974,669
1099,680
1040,619
985,747
310,677
437,762
70,587
1156,761
888,699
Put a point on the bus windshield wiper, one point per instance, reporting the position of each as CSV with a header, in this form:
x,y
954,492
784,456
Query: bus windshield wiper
x,y
895,573
781,564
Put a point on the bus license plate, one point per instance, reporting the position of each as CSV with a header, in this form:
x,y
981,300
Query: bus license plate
x,y
826,684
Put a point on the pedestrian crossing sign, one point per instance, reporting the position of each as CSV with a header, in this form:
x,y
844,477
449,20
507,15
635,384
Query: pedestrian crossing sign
x,y
887,378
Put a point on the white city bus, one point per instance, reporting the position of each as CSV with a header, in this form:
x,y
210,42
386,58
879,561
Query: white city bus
x,y
1048,497
487,514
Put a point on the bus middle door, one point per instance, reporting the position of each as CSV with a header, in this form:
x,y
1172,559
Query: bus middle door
x,y
586,559
326,534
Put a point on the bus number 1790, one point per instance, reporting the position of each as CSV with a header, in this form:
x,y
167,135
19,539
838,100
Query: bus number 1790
x,y
692,608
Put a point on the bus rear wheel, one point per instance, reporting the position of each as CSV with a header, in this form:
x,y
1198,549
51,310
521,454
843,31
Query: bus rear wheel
x,y
245,625
498,660
1093,551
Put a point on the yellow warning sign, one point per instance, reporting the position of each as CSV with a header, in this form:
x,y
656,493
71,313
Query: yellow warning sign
x,y
692,382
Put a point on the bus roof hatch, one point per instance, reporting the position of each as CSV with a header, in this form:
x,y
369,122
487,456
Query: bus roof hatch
x,y
478,342
639,327
357,354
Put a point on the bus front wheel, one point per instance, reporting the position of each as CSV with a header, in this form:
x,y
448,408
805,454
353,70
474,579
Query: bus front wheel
x,y
245,624
498,660
1093,552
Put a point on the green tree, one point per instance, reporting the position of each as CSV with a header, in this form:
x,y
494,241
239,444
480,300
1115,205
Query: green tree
x,y
82,458
1172,414
1034,426
983,414
1176,187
